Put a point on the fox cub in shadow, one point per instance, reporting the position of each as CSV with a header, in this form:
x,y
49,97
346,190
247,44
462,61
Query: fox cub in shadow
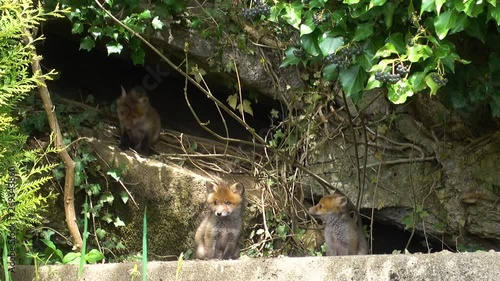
x,y
218,235
342,235
140,123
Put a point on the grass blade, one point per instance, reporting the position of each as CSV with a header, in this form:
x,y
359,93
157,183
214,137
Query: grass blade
x,y
145,247
85,235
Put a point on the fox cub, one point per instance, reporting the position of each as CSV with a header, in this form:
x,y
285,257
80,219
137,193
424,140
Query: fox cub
x,y
218,235
140,124
342,235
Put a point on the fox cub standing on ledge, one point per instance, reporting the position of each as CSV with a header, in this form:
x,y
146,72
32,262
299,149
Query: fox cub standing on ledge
x,y
140,124
342,235
218,235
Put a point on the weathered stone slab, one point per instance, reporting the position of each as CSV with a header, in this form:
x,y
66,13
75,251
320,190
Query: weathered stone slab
x,y
421,267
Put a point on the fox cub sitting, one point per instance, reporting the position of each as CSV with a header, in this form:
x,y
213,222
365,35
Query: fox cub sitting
x,y
140,123
218,235
342,235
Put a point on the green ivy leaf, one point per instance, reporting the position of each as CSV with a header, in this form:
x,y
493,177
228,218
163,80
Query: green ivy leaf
x,y
71,258
107,197
107,218
330,72
198,73
290,58
114,48
366,59
444,22
387,50
431,84
96,32
309,44
363,31
101,233
376,3
353,79
276,11
232,100
417,80
317,3
494,13
87,43
372,83
419,52
388,13
399,92
293,13
439,4
138,56
145,15
329,44
158,24
93,256
118,222
247,107
471,8
51,249
398,41
77,28
124,197
307,27
427,6
462,23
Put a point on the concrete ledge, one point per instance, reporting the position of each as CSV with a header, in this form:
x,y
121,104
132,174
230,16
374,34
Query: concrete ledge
x,y
444,266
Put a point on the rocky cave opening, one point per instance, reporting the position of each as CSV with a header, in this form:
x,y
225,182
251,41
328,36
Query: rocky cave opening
x,y
96,74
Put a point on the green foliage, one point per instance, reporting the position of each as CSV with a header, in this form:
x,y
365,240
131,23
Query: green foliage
x,y
16,81
101,209
426,37
93,24
53,255
418,215
88,184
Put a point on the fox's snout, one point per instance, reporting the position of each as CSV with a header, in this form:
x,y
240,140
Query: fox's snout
x,y
222,213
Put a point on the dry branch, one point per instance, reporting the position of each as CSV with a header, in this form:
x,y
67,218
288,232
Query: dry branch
x,y
69,164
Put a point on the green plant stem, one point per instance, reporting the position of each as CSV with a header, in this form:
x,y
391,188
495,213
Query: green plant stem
x,y
5,257
85,236
145,246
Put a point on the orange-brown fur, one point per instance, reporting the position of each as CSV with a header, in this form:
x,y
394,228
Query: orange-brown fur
x,y
218,235
140,123
342,235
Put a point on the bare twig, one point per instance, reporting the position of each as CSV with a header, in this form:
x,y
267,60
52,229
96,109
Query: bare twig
x,y
356,154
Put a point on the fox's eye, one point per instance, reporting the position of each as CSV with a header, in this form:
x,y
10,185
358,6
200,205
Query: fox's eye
x,y
216,203
320,206
228,203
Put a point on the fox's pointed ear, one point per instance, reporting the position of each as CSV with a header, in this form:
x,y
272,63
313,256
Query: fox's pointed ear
x,y
124,93
237,188
211,187
342,200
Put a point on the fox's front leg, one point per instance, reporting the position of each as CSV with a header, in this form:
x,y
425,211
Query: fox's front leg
x,y
232,249
124,140
210,246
